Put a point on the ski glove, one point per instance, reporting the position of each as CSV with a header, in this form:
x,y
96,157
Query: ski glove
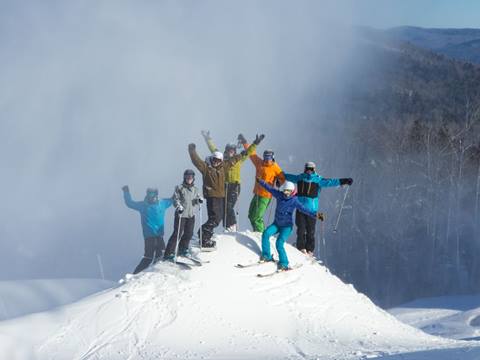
x,y
198,201
258,139
125,188
206,134
241,139
192,146
346,181
320,216
180,209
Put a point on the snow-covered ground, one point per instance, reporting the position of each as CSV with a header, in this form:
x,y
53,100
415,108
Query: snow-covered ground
x,y
456,317
218,311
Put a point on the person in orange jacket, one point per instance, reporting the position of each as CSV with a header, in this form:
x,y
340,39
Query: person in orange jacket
x,y
270,172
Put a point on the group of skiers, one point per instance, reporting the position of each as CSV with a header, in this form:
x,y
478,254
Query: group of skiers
x,y
221,189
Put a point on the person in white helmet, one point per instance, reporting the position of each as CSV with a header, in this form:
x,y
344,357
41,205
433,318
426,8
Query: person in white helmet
x,y
213,173
287,202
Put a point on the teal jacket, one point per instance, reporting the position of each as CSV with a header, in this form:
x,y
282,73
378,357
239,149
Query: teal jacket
x,y
309,187
152,215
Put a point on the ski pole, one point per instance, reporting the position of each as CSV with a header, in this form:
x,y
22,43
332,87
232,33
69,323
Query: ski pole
x,y
178,237
200,231
341,209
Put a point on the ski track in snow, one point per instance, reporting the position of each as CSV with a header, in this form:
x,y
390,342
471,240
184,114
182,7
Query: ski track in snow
x,y
218,311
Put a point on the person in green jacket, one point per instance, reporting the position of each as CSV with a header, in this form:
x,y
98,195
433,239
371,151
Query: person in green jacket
x,y
233,164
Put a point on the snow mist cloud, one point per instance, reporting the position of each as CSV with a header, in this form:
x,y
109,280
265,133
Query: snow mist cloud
x,y
96,95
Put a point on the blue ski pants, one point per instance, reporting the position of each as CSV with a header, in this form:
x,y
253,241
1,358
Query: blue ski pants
x,y
283,234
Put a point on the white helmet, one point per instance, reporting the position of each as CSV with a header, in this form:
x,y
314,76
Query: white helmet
x,y
287,185
217,155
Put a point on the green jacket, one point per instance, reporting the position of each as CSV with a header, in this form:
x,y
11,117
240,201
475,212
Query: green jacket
x,y
234,164
213,178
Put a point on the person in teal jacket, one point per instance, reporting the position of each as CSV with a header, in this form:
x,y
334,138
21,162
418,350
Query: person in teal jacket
x,y
152,214
309,186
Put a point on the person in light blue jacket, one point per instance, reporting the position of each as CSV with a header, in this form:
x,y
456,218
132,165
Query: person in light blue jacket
x,y
152,214
287,202
309,186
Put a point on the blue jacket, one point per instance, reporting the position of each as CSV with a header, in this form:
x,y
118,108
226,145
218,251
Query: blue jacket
x,y
285,206
309,187
152,215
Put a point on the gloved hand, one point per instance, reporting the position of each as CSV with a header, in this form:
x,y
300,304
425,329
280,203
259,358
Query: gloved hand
x,y
201,200
192,146
180,209
346,181
320,216
125,188
244,153
258,139
257,179
241,139
206,134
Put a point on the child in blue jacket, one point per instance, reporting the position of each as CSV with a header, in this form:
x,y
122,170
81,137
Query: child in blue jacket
x,y
309,186
152,214
283,224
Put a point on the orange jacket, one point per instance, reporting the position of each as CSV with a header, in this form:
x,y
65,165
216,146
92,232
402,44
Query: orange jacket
x,y
268,173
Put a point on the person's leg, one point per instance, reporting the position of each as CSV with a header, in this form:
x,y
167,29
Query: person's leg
x,y
148,255
252,210
189,224
301,230
215,208
172,242
310,235
269,232
284,233
159,248
233,191
261,205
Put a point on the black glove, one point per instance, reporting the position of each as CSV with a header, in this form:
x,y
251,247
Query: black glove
x,y
257,179
125,188
206,134
244,153
191,146
346,181
180,209
258,139
200,200
241,139
321,216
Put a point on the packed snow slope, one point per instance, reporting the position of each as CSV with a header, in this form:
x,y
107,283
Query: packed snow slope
x,y
218,311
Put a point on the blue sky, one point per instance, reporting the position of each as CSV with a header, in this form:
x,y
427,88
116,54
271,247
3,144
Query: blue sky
x,y
425,13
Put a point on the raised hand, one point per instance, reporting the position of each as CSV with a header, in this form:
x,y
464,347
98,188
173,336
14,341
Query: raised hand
x,y
125,188
192,146
241,139
346,181
206,134
258,139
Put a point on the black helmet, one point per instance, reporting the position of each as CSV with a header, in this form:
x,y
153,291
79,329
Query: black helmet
x,y
268,155
152,195
186,173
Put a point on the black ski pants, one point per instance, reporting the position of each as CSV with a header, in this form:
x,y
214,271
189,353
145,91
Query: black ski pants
x,y
215,208
232,192
154,247
305,231
183,228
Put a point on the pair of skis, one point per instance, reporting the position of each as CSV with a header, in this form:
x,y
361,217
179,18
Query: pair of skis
x,y
269,274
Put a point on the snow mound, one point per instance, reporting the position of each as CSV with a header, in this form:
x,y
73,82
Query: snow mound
x,y
218,311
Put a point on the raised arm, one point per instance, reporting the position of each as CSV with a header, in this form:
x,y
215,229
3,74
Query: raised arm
x,y
199,163
269,188
291,177
211,146
135,205
256,160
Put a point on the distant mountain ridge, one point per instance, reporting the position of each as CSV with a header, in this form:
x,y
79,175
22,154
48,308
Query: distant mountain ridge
x,y
460,44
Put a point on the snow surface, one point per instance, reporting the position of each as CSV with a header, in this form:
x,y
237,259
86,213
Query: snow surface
x,y
456,317
218,311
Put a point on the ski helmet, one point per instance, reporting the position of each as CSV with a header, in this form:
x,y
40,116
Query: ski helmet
x,y
230,146
287,186
188,173
310,165
217,155
152,195
268,155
